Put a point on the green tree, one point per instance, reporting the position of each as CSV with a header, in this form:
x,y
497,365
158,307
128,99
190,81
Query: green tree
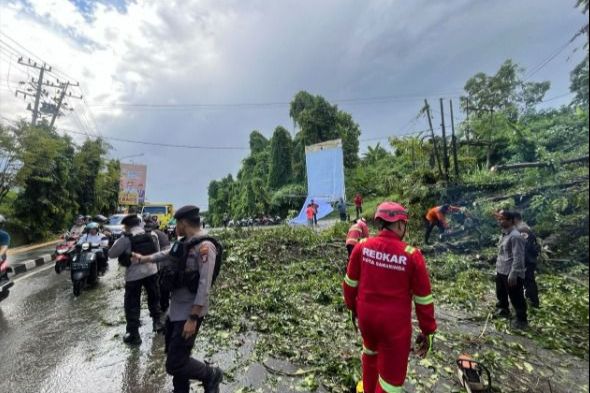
x,y
9,161
88,163
320,121
281,152
258,142
46,201
579,75
503,96
107,188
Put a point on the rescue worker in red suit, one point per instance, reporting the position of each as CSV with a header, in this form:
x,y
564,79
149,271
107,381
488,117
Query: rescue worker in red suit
x,y
359,230
384,276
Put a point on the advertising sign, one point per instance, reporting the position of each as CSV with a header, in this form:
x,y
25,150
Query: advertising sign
x,y
132,184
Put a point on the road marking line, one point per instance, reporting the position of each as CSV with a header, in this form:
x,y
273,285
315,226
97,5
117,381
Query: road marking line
x,y
35,271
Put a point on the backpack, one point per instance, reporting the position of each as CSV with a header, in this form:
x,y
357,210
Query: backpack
x,y
142,244
175,275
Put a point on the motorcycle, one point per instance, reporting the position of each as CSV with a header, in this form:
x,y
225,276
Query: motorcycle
x,y
84,266
63,252
5,284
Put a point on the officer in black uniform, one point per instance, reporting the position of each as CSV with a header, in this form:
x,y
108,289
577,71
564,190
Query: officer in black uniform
x,y
136,278
188,307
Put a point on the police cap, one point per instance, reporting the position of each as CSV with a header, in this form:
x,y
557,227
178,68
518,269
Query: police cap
x,y
131,220
188,211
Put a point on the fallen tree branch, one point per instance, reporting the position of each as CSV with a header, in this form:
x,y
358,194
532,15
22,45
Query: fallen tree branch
x,y
296,374
521,165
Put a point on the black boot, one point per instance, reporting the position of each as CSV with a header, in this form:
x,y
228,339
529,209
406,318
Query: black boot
x,y
132,338
212,385
502,313
157,325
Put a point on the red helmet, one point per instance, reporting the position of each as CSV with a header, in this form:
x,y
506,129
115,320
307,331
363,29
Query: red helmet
x,y
391,212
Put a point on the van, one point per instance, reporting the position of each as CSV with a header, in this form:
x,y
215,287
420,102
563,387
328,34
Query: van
x,y
164,212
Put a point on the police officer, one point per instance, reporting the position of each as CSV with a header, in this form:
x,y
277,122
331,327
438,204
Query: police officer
x,y
187,309
152,226
136,277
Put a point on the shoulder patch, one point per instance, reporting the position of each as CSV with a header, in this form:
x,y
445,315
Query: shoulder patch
x,y
363,240
410,250
204,252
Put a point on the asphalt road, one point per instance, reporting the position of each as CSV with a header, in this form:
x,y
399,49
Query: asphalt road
x,y
53,342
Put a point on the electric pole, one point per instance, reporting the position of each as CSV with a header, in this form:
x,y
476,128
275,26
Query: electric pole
x,y
59,100
454,141
36,90
436,155
444,138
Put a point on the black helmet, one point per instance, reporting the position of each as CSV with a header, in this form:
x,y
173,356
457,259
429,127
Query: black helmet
x,y
131,220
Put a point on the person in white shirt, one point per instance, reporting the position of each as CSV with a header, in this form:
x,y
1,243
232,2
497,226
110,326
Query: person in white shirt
x,y
94,237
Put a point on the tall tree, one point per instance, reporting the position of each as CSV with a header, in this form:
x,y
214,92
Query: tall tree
x,y
320,121
579,75
46,202
257,142
281,152
88,163
9,161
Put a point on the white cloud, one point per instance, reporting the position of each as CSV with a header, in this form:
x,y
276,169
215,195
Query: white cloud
x,y
220,51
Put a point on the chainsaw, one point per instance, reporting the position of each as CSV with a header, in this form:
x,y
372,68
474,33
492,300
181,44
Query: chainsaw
x,y
473,375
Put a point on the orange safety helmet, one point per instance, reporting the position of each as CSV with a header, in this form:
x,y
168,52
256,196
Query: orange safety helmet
x,y
391,212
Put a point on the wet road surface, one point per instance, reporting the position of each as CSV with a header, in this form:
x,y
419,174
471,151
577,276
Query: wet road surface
x,y
52,342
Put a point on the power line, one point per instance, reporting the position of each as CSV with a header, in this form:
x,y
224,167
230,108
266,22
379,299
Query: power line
x,y
546,61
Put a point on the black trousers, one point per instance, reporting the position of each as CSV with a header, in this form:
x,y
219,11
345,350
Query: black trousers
x,y
429,227
179,363
359,211
515,294
133,300
531,291
164,299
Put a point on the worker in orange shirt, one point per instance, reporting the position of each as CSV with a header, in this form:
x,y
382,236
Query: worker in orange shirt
x,y
359,230
436,217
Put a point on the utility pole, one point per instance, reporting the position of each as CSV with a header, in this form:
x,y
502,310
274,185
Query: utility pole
x,y
64,87
35,90
444,137
454,141
59,101
39,85
436,155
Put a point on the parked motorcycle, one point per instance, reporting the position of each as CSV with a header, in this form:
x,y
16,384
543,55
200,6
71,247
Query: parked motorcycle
x,y
63,252
84,266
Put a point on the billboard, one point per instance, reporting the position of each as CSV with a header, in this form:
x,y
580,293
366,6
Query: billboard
x,y
132,184
325,178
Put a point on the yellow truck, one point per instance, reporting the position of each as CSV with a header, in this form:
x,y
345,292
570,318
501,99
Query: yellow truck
x,y
164,211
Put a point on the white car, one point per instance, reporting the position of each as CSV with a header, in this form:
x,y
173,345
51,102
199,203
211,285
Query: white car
x,y
114,226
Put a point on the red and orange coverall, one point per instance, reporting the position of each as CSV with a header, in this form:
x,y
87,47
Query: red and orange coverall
x,y
384,276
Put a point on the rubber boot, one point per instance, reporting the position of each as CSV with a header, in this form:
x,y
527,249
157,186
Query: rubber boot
x,y
212,385
132,338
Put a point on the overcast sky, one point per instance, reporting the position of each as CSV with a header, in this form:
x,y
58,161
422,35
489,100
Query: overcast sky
x,y
227,55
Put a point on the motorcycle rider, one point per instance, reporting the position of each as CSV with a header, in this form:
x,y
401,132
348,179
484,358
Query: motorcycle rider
x,y
384,276
94,237
136,277
4,244
78,227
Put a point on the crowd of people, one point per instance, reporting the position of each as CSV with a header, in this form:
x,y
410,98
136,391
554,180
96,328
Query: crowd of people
x,y
385,275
